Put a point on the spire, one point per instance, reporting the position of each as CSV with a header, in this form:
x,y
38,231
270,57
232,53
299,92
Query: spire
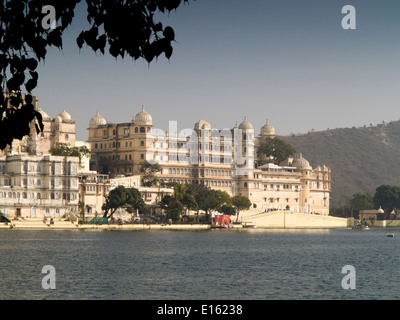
x,y
142,107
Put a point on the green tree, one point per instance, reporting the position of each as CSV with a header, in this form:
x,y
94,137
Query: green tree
x,y
129,198
387,197
148,172
276,148
361,201
208,199
179,201
172,207
63,149
240,203
124,27
227,209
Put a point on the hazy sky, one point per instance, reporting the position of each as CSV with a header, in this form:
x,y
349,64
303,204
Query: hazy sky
x,y
288,60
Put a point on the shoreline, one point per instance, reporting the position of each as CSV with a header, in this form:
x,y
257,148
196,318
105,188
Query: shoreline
x,y
67,225
261,221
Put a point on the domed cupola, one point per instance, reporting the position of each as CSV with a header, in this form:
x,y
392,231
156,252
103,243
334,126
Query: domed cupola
x,y
267,130
245,125
44,114
97,120
64,115
143,118
202,125
58,119
300,163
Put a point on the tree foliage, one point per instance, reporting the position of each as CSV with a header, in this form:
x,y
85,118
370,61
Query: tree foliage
x,y
240,203
276,148
195,197
179,201
119,197
124,27
208,199
63,149
387,197
148,172
361,201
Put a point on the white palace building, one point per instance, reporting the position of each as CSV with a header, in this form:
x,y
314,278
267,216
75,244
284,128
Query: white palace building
x,y
34,183
221,159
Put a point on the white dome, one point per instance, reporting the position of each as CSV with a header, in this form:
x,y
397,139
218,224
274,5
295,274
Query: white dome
x,y
300,163
202,124
267,130
245,125
65,115
143,118
97,120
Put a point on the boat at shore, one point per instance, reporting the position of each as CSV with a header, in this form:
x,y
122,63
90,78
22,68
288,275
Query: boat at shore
x,y
246,225
360,227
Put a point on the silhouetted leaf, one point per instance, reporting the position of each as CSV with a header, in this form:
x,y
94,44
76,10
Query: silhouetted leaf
x,y
30,85
169,33
128,27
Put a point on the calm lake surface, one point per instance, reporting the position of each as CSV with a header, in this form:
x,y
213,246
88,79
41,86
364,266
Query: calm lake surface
x,y
218,264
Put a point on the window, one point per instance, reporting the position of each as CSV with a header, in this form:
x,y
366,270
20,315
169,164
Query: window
x,y
142,143
142,156
142,130
136,130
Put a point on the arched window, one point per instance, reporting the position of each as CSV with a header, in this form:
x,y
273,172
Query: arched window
x,y
136,130
142,130
245,184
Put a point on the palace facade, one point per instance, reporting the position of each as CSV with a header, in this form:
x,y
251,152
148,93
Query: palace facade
x,y
38,185
221,159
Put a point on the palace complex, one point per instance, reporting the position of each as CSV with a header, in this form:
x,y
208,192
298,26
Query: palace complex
x,y
34,183
226,159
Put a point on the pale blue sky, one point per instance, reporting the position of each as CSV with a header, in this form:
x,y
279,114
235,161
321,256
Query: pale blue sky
x,y
288,60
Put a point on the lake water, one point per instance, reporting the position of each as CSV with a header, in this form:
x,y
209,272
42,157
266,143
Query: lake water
x,y
225,265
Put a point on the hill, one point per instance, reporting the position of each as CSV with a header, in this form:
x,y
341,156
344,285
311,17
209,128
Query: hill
x,y
361,158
